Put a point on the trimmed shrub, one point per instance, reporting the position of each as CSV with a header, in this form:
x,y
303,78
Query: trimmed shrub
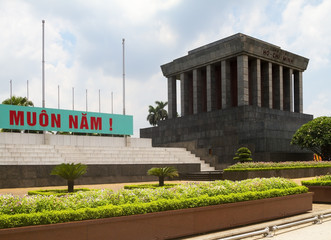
x,y
243,154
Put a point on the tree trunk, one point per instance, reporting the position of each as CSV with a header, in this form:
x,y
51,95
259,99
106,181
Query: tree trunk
x,y
70,185
161,181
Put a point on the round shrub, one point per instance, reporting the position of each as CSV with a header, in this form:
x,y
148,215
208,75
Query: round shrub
x,y
243,154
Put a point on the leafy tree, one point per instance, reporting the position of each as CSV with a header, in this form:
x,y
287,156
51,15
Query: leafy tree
x,y
158,113
19,101
163,114
243,154
70,172
315,136
162,173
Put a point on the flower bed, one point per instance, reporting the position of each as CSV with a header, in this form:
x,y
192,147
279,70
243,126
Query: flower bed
x,y
168,224
259,166
321,187
33,210
241,171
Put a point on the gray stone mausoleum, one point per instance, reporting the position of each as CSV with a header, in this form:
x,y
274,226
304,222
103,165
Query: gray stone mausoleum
x,y
238,91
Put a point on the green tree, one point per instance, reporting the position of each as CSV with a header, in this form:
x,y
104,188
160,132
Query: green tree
x,y
19,101
315,136
243,154
157,113
69,172
162,173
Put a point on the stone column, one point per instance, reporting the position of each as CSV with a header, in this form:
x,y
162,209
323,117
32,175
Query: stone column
x,y
211,88
277,85
226,86
288,88
242,71
255,78
266,73
197,105
298,104
184,94
172,98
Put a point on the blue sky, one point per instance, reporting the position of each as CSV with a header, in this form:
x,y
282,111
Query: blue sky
x,y
83,46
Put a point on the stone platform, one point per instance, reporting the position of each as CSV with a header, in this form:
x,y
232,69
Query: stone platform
x,y
218,134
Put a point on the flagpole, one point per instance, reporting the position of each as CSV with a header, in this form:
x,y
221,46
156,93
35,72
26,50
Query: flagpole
x,y
73,98
43,63
27,89
123,42
112,103
58,96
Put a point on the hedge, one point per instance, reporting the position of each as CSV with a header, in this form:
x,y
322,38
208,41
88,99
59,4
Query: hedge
x,y
319,181
152,186
51,217
56,192
260,166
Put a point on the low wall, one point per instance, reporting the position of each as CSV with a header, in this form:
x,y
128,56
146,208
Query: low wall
x,y
322,194
17,176
72,140
286,173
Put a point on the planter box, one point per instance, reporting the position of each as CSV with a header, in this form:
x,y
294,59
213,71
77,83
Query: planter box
x,y
168,224
285,173
321,193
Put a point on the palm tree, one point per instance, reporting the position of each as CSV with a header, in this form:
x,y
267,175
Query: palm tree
x,y
152,116
163,114
157,113
162,173
70,172
19,101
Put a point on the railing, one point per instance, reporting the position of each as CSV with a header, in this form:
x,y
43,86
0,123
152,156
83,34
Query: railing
x,y
271,231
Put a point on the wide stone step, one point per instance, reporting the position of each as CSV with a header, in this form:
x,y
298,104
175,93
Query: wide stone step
x,y
47,154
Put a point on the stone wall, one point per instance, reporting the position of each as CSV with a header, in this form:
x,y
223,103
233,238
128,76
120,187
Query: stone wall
x,y
18,176
266,132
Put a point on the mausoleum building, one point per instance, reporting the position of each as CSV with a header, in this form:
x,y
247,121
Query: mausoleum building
x,y
238,91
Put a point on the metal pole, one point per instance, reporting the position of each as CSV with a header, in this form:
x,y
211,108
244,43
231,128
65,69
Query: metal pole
x,y
11,91
123,43
112,103
27,89
43,64
73,98
58,96
99,102
86,100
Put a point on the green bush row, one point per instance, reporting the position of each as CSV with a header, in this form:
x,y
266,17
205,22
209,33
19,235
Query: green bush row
x,y
51,217
319,181
260,166
152,186
56,192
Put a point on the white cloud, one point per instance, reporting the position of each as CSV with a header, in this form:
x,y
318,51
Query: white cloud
x,y
84,50
320,106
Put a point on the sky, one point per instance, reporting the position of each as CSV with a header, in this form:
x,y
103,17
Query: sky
x,y
84,50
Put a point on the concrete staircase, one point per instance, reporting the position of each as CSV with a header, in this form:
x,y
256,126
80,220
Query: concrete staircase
x,y
18,154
